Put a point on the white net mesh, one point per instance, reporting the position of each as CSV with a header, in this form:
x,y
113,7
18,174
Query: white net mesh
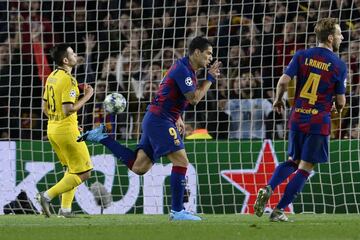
x,y
126,46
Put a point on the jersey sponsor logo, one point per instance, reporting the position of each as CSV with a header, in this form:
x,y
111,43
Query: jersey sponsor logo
x,y
72,93
188,81
312,111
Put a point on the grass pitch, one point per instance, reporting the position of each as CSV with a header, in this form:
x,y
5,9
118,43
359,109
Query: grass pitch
x,y
142,227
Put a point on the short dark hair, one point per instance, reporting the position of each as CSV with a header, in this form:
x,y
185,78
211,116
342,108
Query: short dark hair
x,y
200,43
59,52
325,27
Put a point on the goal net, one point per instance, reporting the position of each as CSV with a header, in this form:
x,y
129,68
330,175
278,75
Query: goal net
x,y
234,140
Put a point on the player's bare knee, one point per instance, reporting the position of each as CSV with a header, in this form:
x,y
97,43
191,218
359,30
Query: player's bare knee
x,y
85,176
139,170
142,163
179,158
181,162
307,166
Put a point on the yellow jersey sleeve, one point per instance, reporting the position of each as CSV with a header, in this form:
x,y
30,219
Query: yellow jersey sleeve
x,y
70,92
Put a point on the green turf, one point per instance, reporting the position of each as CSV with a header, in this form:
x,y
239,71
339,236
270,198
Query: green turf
x,y
119,227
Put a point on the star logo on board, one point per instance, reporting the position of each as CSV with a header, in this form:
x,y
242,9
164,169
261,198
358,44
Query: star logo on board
x,y
249,181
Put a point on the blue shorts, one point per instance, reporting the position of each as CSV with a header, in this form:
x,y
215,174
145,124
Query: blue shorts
x,y
313,148
159,137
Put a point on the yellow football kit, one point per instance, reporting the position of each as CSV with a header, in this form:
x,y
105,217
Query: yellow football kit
x,y
61,87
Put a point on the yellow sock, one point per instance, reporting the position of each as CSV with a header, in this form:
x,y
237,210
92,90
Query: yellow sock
x,y
67,183
67,198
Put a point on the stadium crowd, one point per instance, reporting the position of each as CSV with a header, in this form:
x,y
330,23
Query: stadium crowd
x,y
127,46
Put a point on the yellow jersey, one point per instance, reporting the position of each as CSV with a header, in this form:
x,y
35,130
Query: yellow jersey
x,y
60,88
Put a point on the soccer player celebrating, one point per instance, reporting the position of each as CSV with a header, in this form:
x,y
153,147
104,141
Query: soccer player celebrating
x,y
320,74
162,123
60,105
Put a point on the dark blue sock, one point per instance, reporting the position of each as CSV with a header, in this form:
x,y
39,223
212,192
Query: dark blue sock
x,y
293,188
125,155
282,172
177,185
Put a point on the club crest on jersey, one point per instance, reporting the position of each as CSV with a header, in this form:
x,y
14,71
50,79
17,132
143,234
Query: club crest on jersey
x,y
188,81
72,93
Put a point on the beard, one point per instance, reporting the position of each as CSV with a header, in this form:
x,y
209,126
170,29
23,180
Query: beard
x,y
335,47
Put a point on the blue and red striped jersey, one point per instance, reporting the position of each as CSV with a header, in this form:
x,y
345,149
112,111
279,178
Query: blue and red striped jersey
x,y
320,74
170,102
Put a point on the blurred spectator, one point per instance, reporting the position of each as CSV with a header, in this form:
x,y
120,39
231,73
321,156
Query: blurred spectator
x,y
238,61
125,25
354,60
77,27
128,75
247,114
342,124
84,71
180,47
149,92
355,131
14,27
3,18
9,94
40,58
135,10
218,121
184,10
139,39
301,28
36,41
267,52
128,71
154,73
30,124
108,74
285,48
162,31
214,15
166,56
311,41
278,10
198,26
34,23
110,37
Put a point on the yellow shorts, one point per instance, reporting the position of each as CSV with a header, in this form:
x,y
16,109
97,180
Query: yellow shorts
x,y
74,155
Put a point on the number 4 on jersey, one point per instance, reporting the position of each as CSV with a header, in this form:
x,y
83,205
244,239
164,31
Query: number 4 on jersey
x,y
312,84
